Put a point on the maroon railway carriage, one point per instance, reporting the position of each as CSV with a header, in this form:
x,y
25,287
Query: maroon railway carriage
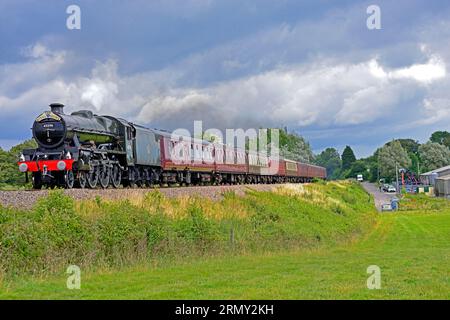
x,y
317,172
258,165
231,163
198,161
188,160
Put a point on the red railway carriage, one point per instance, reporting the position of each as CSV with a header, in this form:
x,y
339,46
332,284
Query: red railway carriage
x,y
298,171
194,155
230,160
302,170
281,167
230,164
257,163
291,168
316,172
186,160
273,166
321,172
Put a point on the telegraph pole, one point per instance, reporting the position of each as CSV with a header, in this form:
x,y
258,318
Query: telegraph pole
x,y
396,175
378,168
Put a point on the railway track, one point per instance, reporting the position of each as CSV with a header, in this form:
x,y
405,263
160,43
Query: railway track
x,y
25,199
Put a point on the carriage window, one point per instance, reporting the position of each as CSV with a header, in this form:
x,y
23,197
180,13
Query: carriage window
x,y
197,152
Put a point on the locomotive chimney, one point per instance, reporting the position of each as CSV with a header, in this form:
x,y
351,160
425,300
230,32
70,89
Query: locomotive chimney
x,y
57,108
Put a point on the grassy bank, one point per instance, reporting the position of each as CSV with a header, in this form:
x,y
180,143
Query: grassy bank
x,y
104,235
411,248
294,243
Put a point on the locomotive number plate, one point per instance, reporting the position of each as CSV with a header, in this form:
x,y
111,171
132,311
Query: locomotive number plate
x,y
48,115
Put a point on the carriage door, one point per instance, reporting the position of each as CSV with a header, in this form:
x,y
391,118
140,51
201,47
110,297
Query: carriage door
x,y
129,140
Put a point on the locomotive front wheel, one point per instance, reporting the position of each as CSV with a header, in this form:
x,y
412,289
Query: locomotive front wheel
x,y
70,179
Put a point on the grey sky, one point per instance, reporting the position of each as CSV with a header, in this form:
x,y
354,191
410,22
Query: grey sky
x,y
312,66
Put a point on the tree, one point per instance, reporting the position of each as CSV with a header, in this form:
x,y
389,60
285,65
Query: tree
x,y
358,167
392,156
348,158
412,148
371,167
330,159
9,172
434,155
295,147
441,137
27,144
291,146
410,145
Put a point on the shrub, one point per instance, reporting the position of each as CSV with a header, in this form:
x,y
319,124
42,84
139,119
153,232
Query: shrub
x,y
196,227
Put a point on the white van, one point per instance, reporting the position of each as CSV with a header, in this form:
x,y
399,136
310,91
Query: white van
x,y
359,178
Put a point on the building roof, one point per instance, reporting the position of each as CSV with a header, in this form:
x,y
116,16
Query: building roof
x,y
436,171
446,177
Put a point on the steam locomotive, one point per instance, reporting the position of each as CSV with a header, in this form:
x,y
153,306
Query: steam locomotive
x,y
86,150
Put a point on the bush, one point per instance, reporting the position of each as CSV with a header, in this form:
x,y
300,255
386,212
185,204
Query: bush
x,y
196,227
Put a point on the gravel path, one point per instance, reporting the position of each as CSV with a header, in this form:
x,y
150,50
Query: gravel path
x,y
379,196
26,199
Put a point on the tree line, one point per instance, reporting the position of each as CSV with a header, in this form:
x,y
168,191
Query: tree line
x,y
396,154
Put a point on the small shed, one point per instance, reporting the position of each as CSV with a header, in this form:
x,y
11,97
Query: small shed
x,y
442,186
428,178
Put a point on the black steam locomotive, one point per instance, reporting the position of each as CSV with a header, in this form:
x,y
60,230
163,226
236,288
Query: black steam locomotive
x,y
83,149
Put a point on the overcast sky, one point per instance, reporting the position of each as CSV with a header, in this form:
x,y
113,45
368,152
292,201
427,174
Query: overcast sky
x,y
312,66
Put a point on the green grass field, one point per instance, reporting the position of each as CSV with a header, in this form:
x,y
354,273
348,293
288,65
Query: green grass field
x,y
412,249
